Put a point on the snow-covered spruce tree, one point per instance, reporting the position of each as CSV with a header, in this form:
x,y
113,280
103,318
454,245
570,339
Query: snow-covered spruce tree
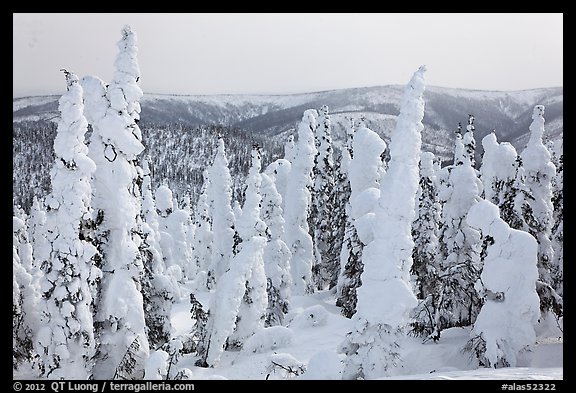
x,y
226,300
276,255
324,205
364,172
37,235
500,173
190,269
469,141
460,245
252,310
25,246
173,223
158,290
249,223
115,144
25,298
197,341
351,269
164,208
425,254
349,229
460,155
222,217
539,172
279,172
66,340
505,325
179,224
557,265
341,197
297,206
290,149
372,348
202,243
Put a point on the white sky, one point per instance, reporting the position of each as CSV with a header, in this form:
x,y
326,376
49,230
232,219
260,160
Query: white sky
x,y
291,53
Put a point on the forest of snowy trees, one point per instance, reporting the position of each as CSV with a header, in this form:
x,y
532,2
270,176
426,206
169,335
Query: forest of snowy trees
x,y
407,247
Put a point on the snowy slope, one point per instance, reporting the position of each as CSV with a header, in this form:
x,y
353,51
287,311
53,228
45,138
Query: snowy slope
x,y
318,337
273,114
178,150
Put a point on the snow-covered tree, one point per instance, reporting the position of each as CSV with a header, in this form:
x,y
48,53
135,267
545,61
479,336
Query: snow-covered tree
x,y
66,339
222,216
173,224
297,206
290,151
539,172
425,255
460,245
202,243
158,290
346,258
164,208
364,172
249,223
197,341
469,141
505,325
279,172
25,246
252,310
557,265
251,315
25,298
226,300
341,197
37,235
276,255
372,348
323,205
501,175
115,145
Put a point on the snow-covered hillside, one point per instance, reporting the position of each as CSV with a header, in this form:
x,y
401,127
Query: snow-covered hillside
x,y
316,328
269,119
505,112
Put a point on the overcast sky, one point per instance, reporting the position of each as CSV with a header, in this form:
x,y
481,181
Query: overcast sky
x,y
292,53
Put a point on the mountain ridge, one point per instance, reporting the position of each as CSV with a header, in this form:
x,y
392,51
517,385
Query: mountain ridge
x,y
311,92
173,124
274,114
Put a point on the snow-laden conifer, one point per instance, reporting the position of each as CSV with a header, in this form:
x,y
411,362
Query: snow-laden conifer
x,y
539,172
297,206
276,255
505,326
223,227
364,171
426,252
372,348
324,215
252,310
115,146
66,339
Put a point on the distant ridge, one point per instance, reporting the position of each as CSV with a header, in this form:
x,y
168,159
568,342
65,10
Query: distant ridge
x,y
506,112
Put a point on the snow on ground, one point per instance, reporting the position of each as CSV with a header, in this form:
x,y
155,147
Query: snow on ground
x,y
318,329
510,373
